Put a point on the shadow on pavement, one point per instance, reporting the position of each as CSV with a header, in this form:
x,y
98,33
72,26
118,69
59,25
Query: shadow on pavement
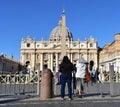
x,y
9,98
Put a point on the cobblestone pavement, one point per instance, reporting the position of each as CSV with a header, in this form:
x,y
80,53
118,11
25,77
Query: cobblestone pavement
x,y
35,102
96,95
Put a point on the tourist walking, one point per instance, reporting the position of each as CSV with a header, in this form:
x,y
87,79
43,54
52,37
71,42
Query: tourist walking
x,y
66,68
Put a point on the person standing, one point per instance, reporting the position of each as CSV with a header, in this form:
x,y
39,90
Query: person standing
x,y
66,68
80,75
74,78
97,74
93,76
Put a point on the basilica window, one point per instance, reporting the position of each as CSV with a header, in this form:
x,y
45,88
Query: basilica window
x,y
82,45
28,44
74,44
38,45
45,45
91,44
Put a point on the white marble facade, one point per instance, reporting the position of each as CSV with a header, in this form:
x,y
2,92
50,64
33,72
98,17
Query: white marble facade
x,y
42,53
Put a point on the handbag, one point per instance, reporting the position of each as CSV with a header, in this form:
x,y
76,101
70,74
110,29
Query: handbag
x,y
87,76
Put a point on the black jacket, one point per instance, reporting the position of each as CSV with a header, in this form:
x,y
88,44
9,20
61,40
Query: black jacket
x,y
66,68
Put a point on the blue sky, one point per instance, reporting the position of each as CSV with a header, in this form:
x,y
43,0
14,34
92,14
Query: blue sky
x,y
37,18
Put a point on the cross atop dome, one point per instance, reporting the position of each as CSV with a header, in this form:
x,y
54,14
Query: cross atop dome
x,y
63,11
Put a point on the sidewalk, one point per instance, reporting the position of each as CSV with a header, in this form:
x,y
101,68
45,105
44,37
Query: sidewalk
x,y
27,98
76,98
96,92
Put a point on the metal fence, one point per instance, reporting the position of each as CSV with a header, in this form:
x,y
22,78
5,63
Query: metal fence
x,y
16,84
105,77
13,84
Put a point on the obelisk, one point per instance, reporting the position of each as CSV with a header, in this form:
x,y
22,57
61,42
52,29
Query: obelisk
x,y
63,38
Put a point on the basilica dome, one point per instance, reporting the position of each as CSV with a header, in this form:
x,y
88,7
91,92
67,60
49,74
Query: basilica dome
x,y
56,33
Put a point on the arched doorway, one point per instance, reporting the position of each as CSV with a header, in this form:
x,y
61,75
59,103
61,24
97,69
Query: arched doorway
x,y
91,65
28,65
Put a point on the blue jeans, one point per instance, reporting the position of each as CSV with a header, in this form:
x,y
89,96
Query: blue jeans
x,y
66,79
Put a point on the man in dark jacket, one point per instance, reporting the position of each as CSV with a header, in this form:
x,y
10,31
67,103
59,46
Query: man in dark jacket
x,y
66,68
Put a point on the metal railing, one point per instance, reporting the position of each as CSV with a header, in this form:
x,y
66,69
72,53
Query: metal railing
x,y
18,79
12,84
105,77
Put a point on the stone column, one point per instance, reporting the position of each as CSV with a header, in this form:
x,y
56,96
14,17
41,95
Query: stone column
x,y
95,57
71,57
33,61
23,58
56,62
51,62
78,55
41,61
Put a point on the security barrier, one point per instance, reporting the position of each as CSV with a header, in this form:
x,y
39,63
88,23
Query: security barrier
x,y
12,84
105,77
18,79
15,84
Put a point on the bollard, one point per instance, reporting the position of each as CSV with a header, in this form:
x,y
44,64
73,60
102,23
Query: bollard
x,y
112,93
46,85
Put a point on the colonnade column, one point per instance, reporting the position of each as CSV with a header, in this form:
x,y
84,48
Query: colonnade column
x,y
57,62
41,62
78,55
22,59
96,63
51,62
71,55
33,61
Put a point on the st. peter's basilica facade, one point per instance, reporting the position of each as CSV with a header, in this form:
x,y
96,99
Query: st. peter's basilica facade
x,y
37,54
